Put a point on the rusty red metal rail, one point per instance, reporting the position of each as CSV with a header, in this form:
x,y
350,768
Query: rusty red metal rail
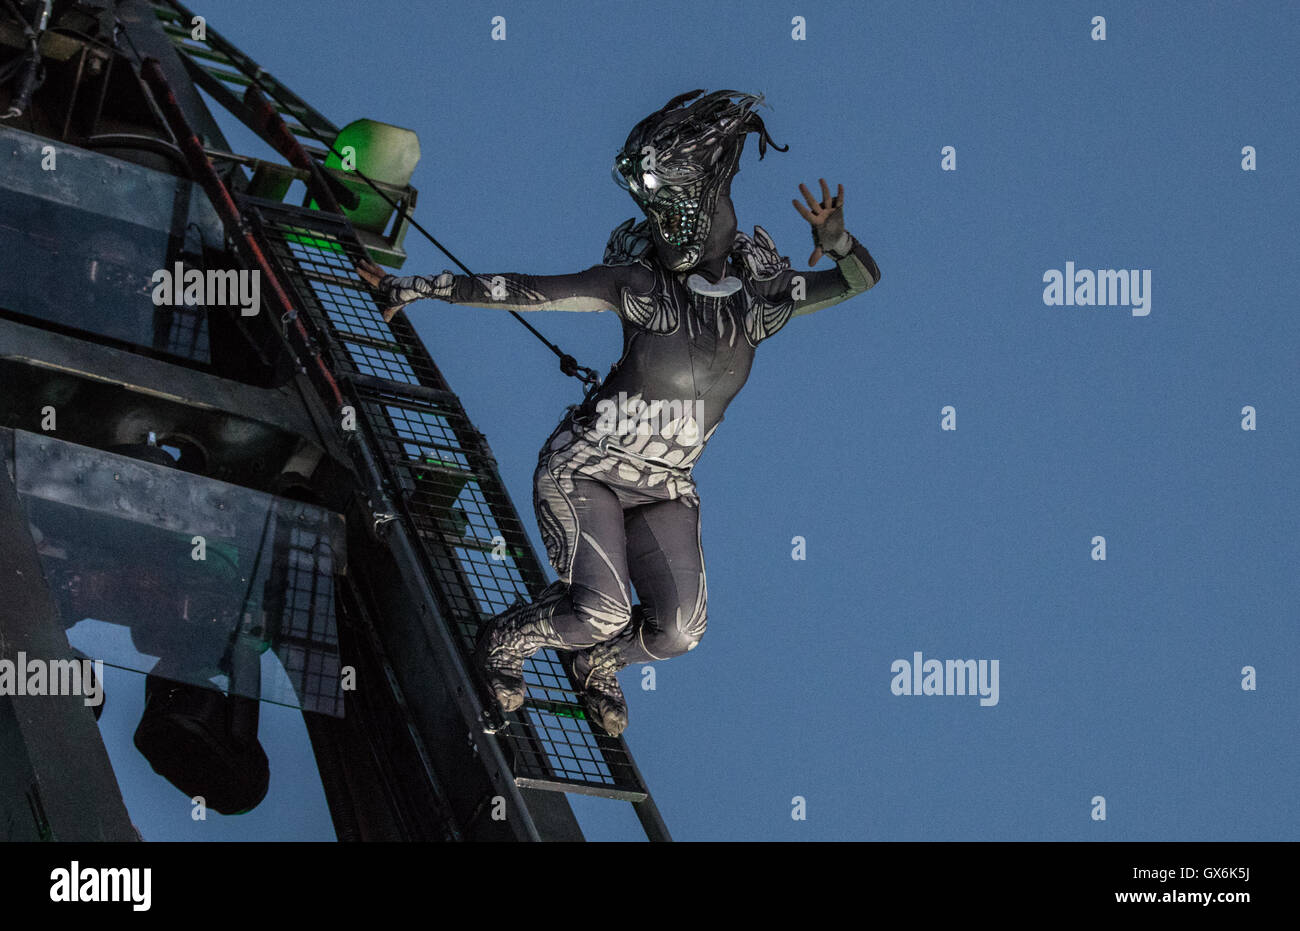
x,y
206,176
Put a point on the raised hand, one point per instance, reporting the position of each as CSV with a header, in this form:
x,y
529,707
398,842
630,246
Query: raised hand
x,y
826,217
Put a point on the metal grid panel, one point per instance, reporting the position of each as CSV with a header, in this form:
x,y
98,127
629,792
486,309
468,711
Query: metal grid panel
x,y
475,548
307,639
114,550
182,331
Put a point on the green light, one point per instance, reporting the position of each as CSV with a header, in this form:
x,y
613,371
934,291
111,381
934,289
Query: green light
x,y
384,153
557,709
314,242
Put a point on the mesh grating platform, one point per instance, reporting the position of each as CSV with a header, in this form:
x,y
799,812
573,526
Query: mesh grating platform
x,y
453,502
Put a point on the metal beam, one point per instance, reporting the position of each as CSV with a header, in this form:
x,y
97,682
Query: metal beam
x,y
71,792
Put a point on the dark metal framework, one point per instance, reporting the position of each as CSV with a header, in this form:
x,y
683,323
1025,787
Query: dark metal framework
x,y
434,544
436,468
443,478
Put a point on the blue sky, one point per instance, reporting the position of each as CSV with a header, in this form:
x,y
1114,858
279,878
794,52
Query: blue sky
x,y
1119,678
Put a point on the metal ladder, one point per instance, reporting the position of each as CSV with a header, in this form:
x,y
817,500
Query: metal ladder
x,y
437,468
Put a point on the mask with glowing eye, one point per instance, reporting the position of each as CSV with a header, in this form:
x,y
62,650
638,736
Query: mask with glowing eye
x,y
677,198
678,160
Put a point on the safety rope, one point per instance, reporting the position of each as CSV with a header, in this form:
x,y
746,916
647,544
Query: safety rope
x,y
568,364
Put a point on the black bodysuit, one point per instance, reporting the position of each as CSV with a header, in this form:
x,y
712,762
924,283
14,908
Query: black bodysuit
x,y
613,492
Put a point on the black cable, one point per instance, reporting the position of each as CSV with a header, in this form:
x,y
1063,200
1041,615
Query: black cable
x,y
31,64
568,364
84,37
118,27
136,141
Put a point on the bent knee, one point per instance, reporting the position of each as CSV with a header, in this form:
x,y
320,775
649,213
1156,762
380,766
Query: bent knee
x,y
603,614
684,637
696,620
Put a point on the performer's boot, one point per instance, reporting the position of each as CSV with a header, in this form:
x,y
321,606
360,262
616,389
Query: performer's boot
x,y
512,637
595,670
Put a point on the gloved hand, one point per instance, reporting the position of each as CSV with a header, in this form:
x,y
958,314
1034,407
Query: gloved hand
x,y
394,293
827,221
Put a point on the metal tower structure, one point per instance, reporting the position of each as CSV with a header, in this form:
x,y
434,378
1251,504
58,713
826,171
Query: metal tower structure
x,y
192,488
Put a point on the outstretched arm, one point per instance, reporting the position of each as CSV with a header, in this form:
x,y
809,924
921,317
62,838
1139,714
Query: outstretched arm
x,y
597,288
855,270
